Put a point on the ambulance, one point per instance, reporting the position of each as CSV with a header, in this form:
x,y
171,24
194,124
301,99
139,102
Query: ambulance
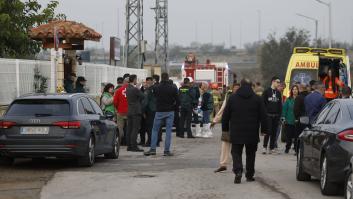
x,y
308,64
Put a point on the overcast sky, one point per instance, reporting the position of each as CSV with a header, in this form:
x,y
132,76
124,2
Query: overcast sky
x,y
233,21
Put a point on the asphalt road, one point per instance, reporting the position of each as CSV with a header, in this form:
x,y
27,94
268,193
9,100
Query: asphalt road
x,y
189,174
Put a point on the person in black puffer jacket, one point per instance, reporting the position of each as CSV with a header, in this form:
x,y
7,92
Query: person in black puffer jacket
x,y
242,117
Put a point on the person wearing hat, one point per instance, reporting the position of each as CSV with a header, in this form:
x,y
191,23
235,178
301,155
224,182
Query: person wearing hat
x,y
69,83
80,85
186,105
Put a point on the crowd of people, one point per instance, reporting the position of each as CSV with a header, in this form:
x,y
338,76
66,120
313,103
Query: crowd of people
x,y
264,112
245,110
142,110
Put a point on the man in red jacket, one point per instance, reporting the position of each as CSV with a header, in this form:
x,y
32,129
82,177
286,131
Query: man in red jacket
x,y
121,107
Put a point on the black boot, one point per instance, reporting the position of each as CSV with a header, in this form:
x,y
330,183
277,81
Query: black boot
x,y
250,179
237,179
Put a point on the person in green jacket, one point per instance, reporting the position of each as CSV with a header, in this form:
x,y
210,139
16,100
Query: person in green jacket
x,y
107,99
289,119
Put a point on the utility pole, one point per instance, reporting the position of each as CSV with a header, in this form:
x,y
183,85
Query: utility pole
x,y
240,34
259,25
230,36
134,33
352,33
329,5
196,33
316,25
118,35
212,33
161,34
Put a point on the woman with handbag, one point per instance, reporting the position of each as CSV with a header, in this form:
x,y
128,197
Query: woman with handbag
x,y
226,145
107,99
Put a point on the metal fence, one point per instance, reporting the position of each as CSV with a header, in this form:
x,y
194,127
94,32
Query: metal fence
x,y
17,76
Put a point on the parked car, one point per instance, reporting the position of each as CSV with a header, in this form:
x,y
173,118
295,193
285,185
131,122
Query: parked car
x,y
326,147
57,125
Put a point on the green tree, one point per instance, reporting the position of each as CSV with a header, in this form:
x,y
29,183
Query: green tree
x,y
276,53
16,19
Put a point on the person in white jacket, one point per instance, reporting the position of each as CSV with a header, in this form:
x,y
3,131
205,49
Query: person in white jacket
x,y
226,146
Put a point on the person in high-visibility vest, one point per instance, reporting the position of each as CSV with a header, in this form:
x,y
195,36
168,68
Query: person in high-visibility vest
x,y
217,98
332,85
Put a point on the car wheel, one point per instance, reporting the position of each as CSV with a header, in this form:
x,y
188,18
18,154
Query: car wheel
x,y
89,158
348,192
6,161
300,173
327,188
116,149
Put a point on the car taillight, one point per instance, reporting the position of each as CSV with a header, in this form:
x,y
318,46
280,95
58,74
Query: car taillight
x,y
346,135
6,124
68,124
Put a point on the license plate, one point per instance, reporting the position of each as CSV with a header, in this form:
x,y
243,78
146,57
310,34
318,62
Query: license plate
x,y
35,130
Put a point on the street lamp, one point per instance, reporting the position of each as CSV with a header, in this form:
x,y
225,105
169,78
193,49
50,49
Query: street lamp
x,y
316,25
329,5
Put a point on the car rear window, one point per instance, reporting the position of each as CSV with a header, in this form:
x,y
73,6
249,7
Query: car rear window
x,y
39,108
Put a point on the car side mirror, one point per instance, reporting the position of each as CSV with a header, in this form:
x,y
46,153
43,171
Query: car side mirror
x,y
304,120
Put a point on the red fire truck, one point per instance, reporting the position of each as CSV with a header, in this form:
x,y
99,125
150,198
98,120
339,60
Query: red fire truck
x,y
209,72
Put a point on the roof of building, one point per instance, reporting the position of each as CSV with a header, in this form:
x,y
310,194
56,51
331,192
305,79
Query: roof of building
x,y
65,30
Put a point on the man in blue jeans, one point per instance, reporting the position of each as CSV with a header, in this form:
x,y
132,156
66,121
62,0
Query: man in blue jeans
x,y
167,102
